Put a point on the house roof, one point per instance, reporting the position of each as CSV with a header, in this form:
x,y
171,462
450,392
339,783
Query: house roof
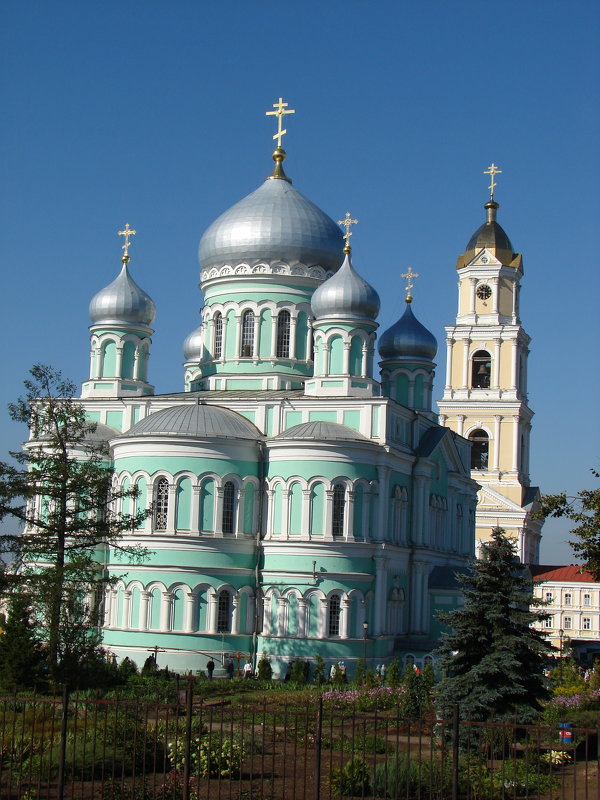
x,y
563,574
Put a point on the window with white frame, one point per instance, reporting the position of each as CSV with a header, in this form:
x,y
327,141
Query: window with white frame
x,y
247,341
334,615
283,334
549,597
161,504
229,507
548,622
218,335
224,612
586,624
567,623
568,599
339,503
587,599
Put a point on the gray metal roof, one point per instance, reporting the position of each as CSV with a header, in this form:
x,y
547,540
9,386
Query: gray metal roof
x,y
275,222
122,301
195,420
408,339
193,346
322,431
346,295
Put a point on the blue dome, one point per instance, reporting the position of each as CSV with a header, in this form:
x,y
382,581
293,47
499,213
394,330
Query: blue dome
x,y
345,295
273,223
122,301
408,339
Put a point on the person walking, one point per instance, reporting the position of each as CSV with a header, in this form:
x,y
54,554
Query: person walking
x,y
229,668
210,668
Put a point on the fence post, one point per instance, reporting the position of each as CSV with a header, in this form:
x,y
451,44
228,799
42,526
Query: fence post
x,y
189,697
318,737
60,792
455,736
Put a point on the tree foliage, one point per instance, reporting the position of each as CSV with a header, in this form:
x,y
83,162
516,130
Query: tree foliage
x,y
584,510
60,489
493,659
21,654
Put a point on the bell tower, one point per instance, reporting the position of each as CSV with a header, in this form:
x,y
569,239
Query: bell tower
x,y
485,396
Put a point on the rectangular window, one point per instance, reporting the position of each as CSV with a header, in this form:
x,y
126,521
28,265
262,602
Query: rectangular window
x,y
548,623
568,599
567,623
587,600
586,624
549,597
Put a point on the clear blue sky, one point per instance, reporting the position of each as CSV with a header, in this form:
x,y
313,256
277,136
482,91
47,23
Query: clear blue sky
x,y
152,113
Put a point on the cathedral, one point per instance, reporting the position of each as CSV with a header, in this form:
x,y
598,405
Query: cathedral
x,y
304,497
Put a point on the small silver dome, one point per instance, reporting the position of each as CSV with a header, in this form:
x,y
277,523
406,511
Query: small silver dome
x,y
273,223
195,420
193,346
408,339
322,432
122,301
346,295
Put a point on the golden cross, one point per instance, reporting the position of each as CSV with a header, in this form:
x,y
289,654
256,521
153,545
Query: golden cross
x,y
281,108
346,223
127,232
492,170
409,275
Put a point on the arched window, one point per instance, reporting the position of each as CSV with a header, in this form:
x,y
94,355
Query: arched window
x,y
481,370
224,612
217,335
283,334
339,503
161,504
228,507
334,615
247,340
480,445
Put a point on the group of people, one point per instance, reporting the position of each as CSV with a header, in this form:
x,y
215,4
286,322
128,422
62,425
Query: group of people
x,y
247,671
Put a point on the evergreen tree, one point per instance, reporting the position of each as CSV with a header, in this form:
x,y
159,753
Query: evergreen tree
x,y
21,653
493,659
62,491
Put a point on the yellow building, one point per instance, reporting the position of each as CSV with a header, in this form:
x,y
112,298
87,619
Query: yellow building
x,y
485,395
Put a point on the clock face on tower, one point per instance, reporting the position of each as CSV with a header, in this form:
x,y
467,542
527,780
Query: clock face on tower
x,y
484,292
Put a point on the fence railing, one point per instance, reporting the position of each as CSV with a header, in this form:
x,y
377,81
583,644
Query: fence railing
x,y
123,749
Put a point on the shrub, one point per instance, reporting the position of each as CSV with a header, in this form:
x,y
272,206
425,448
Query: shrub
x,y
299,672
319,671
264,669
350,780
394,674
406,777
212,755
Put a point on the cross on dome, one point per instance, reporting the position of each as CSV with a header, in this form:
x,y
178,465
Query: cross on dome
x,y
126,232
409,275
281,109
492,171
346,223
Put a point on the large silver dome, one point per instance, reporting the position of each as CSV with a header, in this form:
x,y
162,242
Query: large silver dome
x,y
345,295
273,223
193,346
122,301
195,420
408,339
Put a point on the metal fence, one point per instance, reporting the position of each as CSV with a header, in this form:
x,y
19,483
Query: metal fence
x,y
123,749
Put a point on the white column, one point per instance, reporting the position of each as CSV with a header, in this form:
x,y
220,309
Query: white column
x,y
256,336
448,364
195,510
238,511
212,611
380,593
346,363
325,358
465,380
364,361
165,611
285,514
344,617
349,516
496,365
513,366
515,453
328,513
293,324
495,294
267,616
172,502
238,336
281,615
93,362
119,361
443,418
219,516
126,623
302,608
515,303
114,608
188,613
461,424
136,361
472,285
274,335
235,615
144,610
323,633
270,501
496,462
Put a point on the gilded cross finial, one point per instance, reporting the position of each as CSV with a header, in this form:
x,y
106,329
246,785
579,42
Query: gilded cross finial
x,y
281,109
126,232
492,171
409,275
346,223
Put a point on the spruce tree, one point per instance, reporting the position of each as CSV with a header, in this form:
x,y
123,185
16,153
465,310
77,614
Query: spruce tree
x,y
61,490
21,653
492,659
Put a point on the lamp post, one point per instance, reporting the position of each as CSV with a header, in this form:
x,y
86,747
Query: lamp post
x,y
365,632
561,635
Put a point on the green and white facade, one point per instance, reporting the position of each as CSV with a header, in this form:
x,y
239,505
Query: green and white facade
x,y
296,494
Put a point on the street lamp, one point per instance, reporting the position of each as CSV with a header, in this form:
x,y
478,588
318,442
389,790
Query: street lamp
x,y
365,632
561,635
